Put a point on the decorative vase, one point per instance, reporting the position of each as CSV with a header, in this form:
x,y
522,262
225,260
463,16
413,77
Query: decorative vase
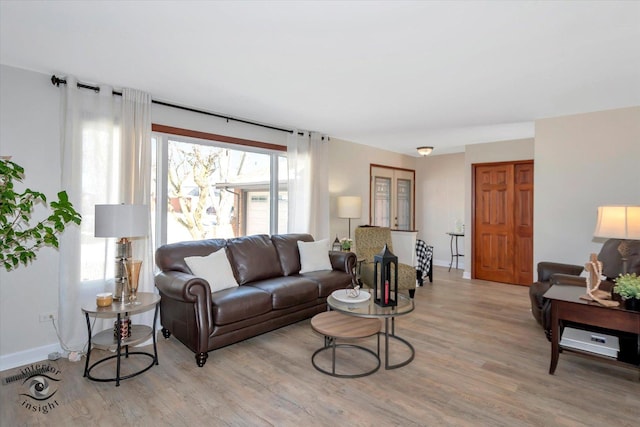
x,y
632,304
133,276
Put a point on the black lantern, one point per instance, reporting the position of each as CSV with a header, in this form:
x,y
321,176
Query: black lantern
x,y
385,278
336,245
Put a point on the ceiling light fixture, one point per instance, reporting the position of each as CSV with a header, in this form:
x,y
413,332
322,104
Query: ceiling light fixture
x,y
425,151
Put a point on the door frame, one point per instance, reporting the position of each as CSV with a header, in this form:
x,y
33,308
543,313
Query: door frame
x,y
413,191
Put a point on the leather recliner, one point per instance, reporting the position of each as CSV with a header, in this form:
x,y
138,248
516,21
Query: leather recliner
x,y
551,273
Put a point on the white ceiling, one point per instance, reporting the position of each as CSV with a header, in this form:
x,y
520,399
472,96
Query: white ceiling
x,y
395,75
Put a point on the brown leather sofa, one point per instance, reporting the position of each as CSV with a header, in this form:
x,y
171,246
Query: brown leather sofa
x,y
271,292
551,273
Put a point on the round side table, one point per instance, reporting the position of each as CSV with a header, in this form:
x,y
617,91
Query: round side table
x,y
110,341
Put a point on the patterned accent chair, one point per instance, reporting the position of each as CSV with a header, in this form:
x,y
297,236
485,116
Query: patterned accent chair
x,y
369,242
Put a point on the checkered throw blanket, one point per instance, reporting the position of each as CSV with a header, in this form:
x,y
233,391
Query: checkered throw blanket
x,y
424,253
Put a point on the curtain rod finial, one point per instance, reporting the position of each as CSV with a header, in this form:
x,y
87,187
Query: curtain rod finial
x,y
55,80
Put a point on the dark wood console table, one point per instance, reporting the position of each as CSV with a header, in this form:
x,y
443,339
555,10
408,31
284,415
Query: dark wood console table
x,y
566,305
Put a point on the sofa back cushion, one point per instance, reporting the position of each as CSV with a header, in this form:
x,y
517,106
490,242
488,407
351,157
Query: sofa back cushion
x,y
287,247
171,256
253,258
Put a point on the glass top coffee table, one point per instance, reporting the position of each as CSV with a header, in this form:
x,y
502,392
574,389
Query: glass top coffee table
x,y
372,310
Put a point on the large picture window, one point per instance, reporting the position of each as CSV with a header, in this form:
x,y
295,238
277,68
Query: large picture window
x,y
212,189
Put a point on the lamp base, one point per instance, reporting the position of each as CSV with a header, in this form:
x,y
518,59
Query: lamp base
x,y
120,292
624,250
123,252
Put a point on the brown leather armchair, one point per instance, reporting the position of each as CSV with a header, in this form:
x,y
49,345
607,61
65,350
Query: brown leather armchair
x,y
551,273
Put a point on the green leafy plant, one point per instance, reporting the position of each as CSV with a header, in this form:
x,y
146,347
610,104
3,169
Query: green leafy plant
x,y
627,286
346,243
19,239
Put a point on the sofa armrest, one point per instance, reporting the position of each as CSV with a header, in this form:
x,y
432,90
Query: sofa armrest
x,y
190,289
568,279
546,269
343,261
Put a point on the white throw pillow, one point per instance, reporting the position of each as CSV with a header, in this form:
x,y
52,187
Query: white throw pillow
x,y
314,256
213,268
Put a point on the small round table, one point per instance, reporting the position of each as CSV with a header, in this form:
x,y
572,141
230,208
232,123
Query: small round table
x,y
106,340
369,309
334,325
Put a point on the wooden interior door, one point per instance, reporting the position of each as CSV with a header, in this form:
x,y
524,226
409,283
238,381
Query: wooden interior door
x,y
523,223
503,222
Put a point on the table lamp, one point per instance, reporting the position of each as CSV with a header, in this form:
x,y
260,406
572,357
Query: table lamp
x,y
349,207
619,222
123,221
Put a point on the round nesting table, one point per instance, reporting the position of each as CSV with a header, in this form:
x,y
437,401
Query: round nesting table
x,y
335,325
370,310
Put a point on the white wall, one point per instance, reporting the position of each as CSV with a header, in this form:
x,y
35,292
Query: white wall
x,y
441,202
30,132
169,116
581,162
349,176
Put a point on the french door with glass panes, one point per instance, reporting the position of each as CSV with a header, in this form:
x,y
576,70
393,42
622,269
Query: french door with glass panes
x,y
392,201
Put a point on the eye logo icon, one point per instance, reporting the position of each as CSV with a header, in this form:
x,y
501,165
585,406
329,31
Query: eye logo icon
x,y
40,387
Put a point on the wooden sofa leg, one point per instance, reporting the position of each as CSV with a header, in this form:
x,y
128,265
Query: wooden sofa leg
x,y
166,333
201,359
412,293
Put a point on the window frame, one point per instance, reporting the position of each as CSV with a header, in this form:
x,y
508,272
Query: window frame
x,y
275,151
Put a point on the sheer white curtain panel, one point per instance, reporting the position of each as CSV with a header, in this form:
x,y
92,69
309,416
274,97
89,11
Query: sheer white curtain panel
x,y
90,154
135,179
106,158
308,160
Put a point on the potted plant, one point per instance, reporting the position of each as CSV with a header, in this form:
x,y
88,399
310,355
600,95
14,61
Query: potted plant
x,y
19,238
346,244
628,287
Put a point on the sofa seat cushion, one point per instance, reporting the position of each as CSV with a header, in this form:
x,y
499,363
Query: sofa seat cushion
x,y
239,303
329,281
288,291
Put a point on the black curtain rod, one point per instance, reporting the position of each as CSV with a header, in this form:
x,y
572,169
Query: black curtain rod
x,y
56,81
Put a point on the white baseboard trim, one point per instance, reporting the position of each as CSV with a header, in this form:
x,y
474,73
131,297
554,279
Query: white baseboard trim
x,y
442,263
38,354
466,275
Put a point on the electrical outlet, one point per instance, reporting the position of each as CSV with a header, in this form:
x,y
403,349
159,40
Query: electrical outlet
x,y
47,317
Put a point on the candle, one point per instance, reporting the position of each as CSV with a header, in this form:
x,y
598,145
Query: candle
x,y
386,292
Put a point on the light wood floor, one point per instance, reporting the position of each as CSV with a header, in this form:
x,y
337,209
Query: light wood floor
x,y
481,360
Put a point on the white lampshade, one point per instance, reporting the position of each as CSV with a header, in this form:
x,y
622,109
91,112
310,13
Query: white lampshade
x,y
121,220
349,206
618,222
